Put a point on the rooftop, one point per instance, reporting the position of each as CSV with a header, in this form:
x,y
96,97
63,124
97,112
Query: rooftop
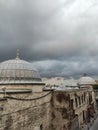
x,y
17,71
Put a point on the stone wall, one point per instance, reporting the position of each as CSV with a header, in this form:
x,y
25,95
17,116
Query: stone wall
x,y
25,115
69,104
35,87
55,110
62,113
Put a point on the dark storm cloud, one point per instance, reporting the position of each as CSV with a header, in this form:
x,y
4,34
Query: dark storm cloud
x,y
67,68
60,37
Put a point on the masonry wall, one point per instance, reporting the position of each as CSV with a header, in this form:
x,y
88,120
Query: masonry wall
x,y
57,110
62,113
35,87
25,115
70,108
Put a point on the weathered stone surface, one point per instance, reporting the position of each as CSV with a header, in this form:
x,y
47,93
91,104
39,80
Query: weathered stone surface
x,y
26,115
59,110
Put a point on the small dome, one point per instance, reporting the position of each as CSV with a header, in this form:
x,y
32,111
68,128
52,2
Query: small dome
x,y
86,80
17,71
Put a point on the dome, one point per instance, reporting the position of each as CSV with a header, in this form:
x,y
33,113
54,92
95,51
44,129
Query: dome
x,y
17,71
86,80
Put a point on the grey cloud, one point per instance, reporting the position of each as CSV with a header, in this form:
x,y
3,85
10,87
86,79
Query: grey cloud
x,y
67,69
63,32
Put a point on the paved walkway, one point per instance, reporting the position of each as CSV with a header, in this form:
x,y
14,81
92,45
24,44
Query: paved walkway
x,y
93,125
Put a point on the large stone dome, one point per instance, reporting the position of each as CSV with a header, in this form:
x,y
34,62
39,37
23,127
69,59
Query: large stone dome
x,y
17,71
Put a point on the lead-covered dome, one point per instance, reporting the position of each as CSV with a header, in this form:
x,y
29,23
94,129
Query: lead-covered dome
x,y
86,80
17,71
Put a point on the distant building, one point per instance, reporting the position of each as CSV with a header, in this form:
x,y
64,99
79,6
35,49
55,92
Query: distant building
x,y
60,81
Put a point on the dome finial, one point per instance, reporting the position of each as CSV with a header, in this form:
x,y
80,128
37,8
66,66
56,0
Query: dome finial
x,y
17,56
84,74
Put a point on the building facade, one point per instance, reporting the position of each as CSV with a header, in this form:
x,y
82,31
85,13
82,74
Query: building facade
x,y
72,108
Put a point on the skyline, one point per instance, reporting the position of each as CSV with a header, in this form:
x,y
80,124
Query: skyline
x,y
59,37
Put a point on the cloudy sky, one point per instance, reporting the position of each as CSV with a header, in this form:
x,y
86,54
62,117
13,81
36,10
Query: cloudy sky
x,y
59,37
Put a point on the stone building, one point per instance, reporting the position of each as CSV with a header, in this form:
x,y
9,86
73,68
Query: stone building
x,y
25,106
95,88
70,108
